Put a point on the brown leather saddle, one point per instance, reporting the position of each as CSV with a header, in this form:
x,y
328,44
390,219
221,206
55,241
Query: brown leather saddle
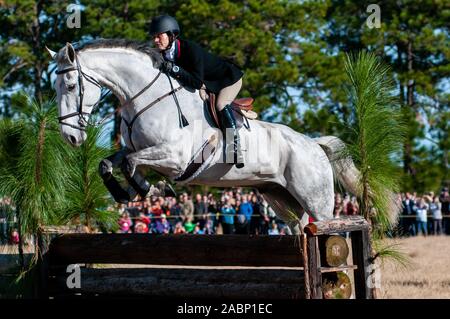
x,y
208,148
245,104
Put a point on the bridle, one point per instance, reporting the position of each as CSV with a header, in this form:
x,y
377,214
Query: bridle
x,y
82,122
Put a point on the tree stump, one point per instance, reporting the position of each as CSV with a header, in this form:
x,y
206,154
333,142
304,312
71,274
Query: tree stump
x,y
334,251
336,285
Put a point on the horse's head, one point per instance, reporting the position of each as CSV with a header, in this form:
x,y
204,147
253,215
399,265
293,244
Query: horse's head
x,y
77,94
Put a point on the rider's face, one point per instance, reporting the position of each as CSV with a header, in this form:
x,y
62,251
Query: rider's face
x,y
161,41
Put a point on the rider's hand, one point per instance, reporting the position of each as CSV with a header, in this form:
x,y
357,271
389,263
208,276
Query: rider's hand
x,y
166,66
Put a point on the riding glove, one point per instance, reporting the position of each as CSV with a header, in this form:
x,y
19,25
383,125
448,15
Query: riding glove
x,y
183,76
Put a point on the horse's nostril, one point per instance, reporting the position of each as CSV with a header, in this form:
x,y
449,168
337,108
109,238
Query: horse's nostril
x,y
72,139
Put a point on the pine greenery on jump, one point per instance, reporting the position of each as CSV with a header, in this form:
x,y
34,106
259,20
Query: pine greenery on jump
x,y
33,159
49,182
86,197
376,131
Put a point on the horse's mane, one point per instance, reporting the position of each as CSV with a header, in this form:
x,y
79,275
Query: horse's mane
x,y
143,47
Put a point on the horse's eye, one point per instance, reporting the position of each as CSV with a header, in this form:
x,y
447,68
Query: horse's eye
x,y
71,87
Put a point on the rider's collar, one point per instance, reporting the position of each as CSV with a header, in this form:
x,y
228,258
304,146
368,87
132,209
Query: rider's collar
x,y
169,54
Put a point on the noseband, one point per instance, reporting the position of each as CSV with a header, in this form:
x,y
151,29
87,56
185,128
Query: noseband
x,y
82,122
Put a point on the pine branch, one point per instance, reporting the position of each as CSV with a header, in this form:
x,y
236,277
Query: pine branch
x,y
376,132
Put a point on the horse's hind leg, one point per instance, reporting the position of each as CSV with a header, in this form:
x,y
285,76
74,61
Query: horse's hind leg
x,y
312,185
318,202
285,206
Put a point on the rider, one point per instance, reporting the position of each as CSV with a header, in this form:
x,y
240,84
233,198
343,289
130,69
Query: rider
x,y
196,68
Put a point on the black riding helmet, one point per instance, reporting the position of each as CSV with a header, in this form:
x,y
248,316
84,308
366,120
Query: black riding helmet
x,y
164,23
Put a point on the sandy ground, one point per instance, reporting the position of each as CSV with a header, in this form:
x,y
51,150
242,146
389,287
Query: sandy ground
x,y
428,275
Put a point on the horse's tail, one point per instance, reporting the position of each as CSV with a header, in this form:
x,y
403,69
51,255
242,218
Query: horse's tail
x,y
347,173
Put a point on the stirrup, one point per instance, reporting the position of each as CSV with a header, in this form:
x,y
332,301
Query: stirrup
x,y
238,157
234,151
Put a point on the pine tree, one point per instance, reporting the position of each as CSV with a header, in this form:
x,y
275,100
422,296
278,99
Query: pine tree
x,y
27,27
413,40
32,171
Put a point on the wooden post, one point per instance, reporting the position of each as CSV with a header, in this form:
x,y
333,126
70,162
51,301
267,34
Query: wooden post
x,y
359,229
304,239
361,257
315,276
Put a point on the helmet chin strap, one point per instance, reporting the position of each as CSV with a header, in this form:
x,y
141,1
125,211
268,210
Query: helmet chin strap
x,y
172,39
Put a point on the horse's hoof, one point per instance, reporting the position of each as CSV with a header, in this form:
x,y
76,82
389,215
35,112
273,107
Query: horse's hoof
x,y
105,169
169,191
120,197
122,201
166,189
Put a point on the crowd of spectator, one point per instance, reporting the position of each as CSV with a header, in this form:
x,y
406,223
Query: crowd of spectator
x,y
424,214
345,205
420,214
248,213
236,211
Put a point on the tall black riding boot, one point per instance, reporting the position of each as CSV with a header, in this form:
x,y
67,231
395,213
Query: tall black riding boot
x,y
233,147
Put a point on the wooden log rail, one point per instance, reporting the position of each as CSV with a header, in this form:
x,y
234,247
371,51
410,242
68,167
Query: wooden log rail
x,y
338,225
188,250
208,266
255,283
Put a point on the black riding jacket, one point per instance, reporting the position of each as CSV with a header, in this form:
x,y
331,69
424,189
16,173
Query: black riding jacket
x,y
198,66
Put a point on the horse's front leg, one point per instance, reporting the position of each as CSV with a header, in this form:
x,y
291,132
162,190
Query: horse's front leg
x,y
106,168
159,157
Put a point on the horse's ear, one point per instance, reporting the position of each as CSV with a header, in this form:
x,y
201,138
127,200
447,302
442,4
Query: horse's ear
x,y
52,53
70,53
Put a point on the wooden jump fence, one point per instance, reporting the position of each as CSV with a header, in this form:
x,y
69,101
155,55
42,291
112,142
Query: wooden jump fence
x,y
207,266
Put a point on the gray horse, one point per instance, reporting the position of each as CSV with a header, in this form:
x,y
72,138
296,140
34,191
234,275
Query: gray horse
x,y
292,171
